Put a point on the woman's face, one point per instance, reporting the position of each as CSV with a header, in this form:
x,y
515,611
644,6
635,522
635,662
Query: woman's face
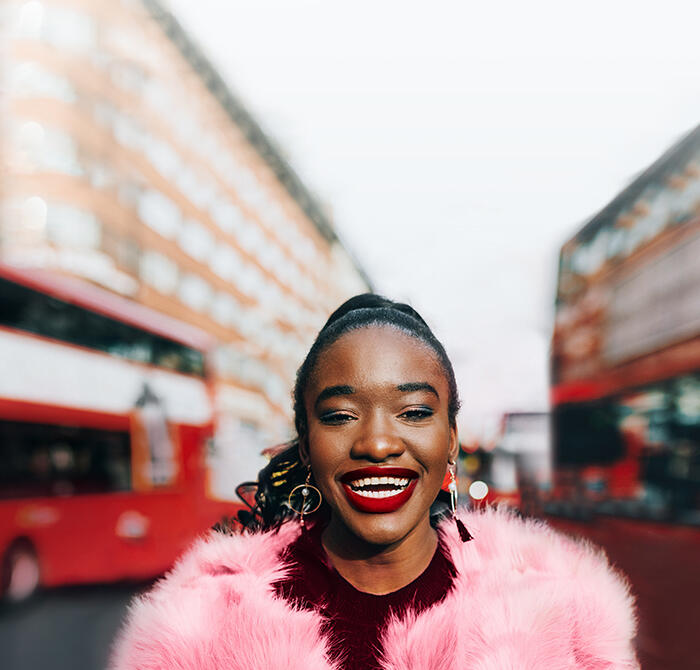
x,y
379,436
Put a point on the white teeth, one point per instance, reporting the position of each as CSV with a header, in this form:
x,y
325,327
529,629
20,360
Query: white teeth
x,y
375,481
378,494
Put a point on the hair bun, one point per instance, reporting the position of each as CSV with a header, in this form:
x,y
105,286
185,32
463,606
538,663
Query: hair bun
x,y
372,301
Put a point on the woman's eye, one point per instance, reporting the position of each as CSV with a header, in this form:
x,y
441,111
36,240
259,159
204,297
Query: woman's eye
x,y
417,413
336,418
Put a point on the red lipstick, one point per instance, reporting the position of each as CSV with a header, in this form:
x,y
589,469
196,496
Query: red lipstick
x,y
379,490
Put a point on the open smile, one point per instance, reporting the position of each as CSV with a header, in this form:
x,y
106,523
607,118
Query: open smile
x,y
379,490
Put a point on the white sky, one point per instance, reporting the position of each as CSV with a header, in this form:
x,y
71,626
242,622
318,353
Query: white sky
x,y
458,144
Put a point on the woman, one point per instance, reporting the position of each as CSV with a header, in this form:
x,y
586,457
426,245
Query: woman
x,y
367,580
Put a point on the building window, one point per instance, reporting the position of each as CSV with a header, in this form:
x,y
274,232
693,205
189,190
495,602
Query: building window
x,y
59,153
68,226
159,213
197,188
226,263
126,131
196,240
128,76
252,239
224,309
226,215
161,155
30,80
195,292
159,272
28,20
68,29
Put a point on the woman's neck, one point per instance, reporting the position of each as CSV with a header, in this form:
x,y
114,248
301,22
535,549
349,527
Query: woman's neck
x,y
379,569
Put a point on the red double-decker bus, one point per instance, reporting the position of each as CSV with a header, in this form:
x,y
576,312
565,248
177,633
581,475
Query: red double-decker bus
x,y
626,350
626,394
105,419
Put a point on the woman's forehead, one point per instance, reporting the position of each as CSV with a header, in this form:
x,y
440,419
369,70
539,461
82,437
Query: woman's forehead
x,y
378,352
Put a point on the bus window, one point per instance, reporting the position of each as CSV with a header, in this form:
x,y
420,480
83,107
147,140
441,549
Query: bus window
x,y
48,460
175,356
587,434
25,309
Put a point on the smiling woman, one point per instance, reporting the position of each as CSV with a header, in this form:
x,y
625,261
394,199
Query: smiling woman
x,y
374,575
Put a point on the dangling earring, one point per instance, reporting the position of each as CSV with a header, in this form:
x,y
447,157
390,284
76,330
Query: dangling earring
x,y
306,490
452,487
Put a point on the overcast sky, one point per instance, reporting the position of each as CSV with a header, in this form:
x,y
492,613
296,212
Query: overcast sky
x,y
458,144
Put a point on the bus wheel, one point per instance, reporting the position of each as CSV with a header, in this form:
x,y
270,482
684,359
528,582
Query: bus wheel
x,y
20,571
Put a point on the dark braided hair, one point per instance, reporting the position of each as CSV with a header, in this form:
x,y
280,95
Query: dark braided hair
x,y
285,470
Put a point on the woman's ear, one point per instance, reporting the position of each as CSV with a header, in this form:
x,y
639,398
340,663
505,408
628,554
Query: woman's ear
x,y
454,445
304,450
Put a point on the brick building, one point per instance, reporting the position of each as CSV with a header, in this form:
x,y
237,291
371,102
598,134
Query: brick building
x,y
128,162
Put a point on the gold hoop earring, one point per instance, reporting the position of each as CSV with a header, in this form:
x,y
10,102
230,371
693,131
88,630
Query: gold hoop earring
x,y
464,534
306,489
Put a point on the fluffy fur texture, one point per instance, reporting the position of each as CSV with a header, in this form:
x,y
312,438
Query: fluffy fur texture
x,y
526,598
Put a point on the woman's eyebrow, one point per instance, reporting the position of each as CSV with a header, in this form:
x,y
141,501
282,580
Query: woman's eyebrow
x,y
409,387
332,391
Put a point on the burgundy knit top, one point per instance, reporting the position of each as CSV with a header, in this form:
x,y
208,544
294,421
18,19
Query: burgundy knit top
x,y
354,620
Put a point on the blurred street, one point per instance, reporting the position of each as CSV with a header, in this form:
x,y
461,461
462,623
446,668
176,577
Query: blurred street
x,y
66,628
661,564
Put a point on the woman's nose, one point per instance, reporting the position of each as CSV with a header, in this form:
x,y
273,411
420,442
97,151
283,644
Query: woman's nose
x,y
377,442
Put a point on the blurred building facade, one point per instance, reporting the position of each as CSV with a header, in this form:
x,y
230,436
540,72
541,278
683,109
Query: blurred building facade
x,y
129,163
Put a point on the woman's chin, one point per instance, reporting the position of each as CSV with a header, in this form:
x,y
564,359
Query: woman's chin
x,y
380,530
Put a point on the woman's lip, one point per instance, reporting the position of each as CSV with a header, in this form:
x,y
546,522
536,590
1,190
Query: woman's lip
x,y
380,505
378,471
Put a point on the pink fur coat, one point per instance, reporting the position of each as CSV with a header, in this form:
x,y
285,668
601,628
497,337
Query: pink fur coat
x,y
526,598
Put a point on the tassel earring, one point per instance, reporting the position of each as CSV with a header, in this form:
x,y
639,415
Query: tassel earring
x,y
464,534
